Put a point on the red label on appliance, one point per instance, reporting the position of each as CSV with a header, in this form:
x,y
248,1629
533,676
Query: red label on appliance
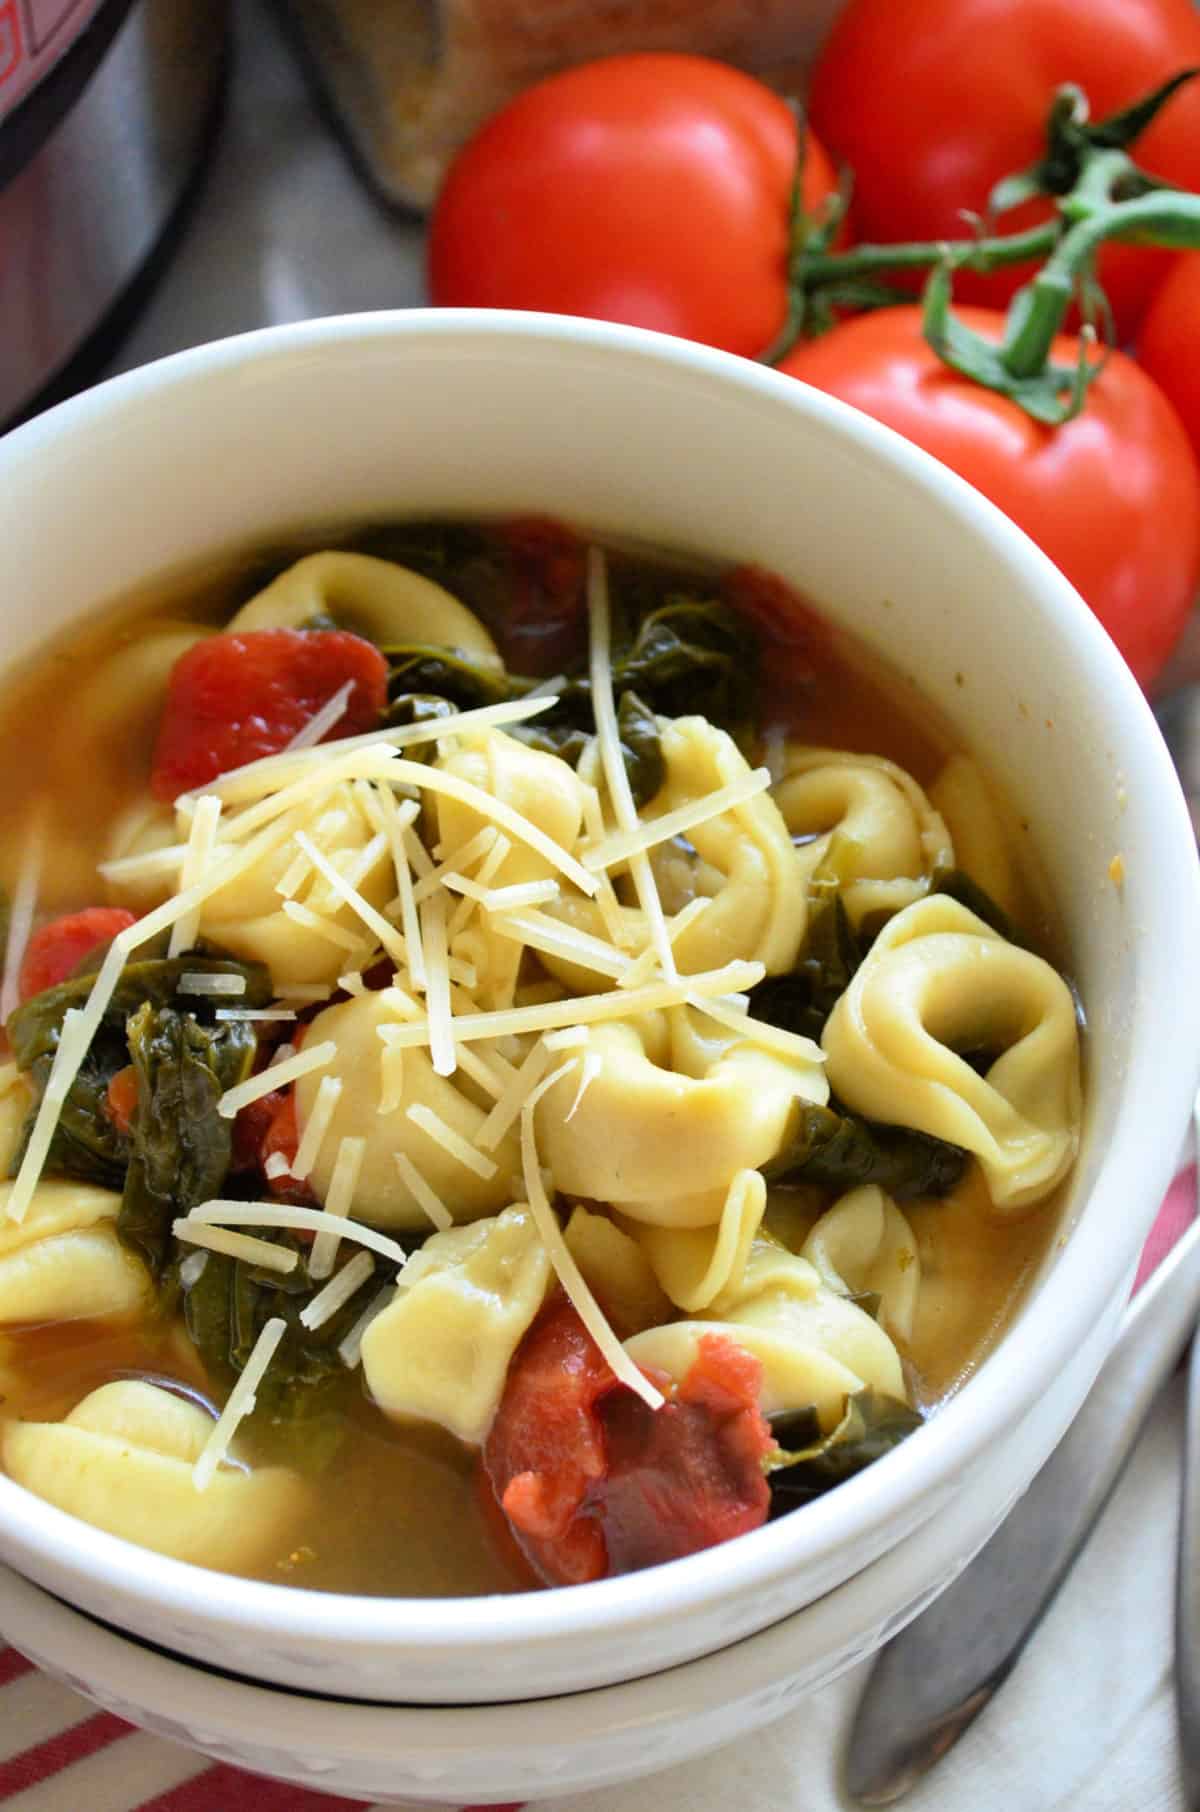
x,y
33,35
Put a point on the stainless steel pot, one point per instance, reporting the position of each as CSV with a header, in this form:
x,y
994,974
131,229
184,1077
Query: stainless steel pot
x,y
98,157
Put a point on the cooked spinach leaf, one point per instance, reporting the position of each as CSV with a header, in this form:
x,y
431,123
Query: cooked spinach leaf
x,y
809,1464
453,674
180,1147
842,1151
802,1000
86,1144
299,1403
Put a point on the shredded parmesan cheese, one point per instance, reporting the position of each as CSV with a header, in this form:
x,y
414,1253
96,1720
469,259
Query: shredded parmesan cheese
x,y
312,921
757,1031
338,1201
199,981
557,938
569,1039
391,1078
239,1406
20,924
264,1013
423,1193
518,1091
473,850
391,939
237,1245
486,1071
197,859
611,759
276,1165
587,1075
301,1220
350,1350
331,712
329,1093
316,1057
623,845
338,1291
559,1254
435,1128
521,893
257,779
437,985
586,1009
303,993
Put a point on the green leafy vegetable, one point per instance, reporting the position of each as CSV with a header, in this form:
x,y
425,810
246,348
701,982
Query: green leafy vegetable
x,y
959,886
807,1463
86,1144
802,1000
842,1151
299,1404
446,673
180,1147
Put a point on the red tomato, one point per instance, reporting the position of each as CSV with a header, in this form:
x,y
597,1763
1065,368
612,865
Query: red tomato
x,y
1113,497
56,950
1169,343
121,1098
649,189
232,698
932,104
594,1483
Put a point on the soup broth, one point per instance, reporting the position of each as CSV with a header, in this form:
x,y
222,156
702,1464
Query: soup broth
x,y
387,1501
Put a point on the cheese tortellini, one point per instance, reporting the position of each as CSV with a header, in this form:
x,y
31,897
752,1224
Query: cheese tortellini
x,y
863,1245
123,1461
247,915
381,1195
64,1262
888,839
815,1347
741,860
659,1141
440,1351
386,603
936,982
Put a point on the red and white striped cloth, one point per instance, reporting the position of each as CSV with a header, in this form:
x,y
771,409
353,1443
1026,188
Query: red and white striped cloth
x,y
57,1756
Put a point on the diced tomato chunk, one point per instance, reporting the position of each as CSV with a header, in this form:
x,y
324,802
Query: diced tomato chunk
x,y
689,1475
56,950
545,1451
262,1128
595,1483
233,698
121,1098
544,625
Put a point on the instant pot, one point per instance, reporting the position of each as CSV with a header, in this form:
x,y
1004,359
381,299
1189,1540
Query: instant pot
x,y
107,110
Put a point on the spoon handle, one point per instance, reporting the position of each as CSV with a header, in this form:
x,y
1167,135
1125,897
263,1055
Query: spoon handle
x,y
933,1679
1187,1596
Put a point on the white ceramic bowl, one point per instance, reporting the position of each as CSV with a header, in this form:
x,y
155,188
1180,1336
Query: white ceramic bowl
x,y
631,433
546,1747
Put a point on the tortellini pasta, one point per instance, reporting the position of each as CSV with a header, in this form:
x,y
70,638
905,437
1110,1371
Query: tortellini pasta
x,y
864,1245
123,1460
64,1262
440,1351
887,838
378,599
616,1271
696,1266
936,982
983,843
246,916
381,1196
741,860
815,1347
659,1143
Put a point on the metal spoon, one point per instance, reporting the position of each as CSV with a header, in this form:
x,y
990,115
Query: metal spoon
x,y
935,1677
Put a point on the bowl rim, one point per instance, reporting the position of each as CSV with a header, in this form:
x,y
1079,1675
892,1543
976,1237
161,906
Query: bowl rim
x,y
1105,1240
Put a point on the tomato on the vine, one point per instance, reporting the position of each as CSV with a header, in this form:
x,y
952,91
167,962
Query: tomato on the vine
x,y
1113,496
931,105
650,189
1169,343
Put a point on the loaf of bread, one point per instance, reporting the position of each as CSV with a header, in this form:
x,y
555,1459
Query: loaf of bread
x,y
412,79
